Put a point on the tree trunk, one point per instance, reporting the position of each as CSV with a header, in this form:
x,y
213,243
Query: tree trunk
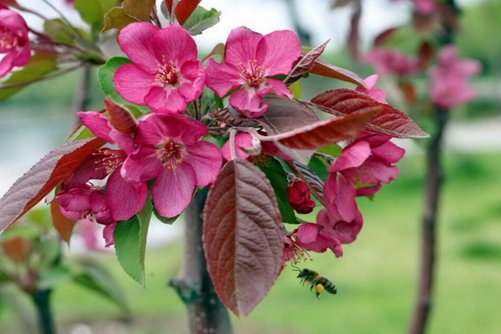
x,y
206,313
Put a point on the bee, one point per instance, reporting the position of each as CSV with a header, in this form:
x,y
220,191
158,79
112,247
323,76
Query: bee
x,y
316,281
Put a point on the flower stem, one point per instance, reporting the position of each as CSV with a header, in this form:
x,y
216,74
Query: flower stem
x,y
206,313
41,300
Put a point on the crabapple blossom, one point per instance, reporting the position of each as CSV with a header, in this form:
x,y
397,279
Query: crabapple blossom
x,y
170,151
391,62
299,198
250,62
14,41
165,74
376,93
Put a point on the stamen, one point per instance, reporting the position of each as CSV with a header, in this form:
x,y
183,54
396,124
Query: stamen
x,y
253,73
166,73
170,153
8,40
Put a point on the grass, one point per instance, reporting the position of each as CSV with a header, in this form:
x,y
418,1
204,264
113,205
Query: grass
x,y
376,278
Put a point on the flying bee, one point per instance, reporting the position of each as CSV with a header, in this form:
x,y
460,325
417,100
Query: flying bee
x,y
316,281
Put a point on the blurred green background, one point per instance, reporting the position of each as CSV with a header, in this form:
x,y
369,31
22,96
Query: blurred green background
x,y
376,278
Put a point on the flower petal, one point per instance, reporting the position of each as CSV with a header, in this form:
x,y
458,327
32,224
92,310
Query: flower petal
x,y
241,46
97,124
278,51
136,42
352,156
173,190
133,83
248,102
222,78
165,100
205,159
175,44
279,88
125,199
141,166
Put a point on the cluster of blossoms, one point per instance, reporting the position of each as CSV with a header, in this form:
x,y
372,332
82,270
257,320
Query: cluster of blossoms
x,y
392,62
165,149
14,42
449,78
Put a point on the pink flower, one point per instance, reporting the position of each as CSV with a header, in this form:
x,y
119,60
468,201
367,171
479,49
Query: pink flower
x,y
85,203
245,140
14,42
449,78
165,74
250,60
125,198
387,62
298,195
171,152
360,170
376,93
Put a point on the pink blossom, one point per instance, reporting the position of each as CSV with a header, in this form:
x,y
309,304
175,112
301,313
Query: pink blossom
x,y
245,141
360,170
449,78
376,93
125,198
387,62
14,42
171,152
250,60
165,73
298,195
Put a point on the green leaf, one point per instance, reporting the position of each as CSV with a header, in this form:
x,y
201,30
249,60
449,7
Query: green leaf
x,y
93,11
332,150
58,31
39,65
117,18
278,179
201,19
105,77
95,278
130,243
319,167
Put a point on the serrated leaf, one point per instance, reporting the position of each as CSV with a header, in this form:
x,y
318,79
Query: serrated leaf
x,y
95,278
117,18
324,69
243,236
280,183
305,64
63,225
390,121
39,66
130,243
33,186
326,132
201,19
105,76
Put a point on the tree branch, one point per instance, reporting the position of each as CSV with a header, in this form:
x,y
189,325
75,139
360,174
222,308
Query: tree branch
x,y
206,313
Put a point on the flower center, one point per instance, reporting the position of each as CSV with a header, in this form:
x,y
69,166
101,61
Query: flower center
x,y
170,153
253,74
167,73
8,40
111,160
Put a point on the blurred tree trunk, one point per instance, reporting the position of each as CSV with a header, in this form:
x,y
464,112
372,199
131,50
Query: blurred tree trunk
x,y
206,313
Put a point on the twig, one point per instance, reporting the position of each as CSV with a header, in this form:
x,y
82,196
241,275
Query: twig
x,y
82,93
47,77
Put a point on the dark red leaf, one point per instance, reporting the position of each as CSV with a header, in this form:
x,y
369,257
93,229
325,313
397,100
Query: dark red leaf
x,y
425,54
63,225
408,91
389,121
121,117
383,37
330,71
243,236
33,186
327,132
305,64
12,3
183,10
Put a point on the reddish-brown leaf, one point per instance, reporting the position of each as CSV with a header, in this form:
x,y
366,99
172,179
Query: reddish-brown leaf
x,y
389,121
12,3
183,10
330,71
17,249
63,225
327,132
425,54
33,186
121,117
408,91
305,64
243,236
383,37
